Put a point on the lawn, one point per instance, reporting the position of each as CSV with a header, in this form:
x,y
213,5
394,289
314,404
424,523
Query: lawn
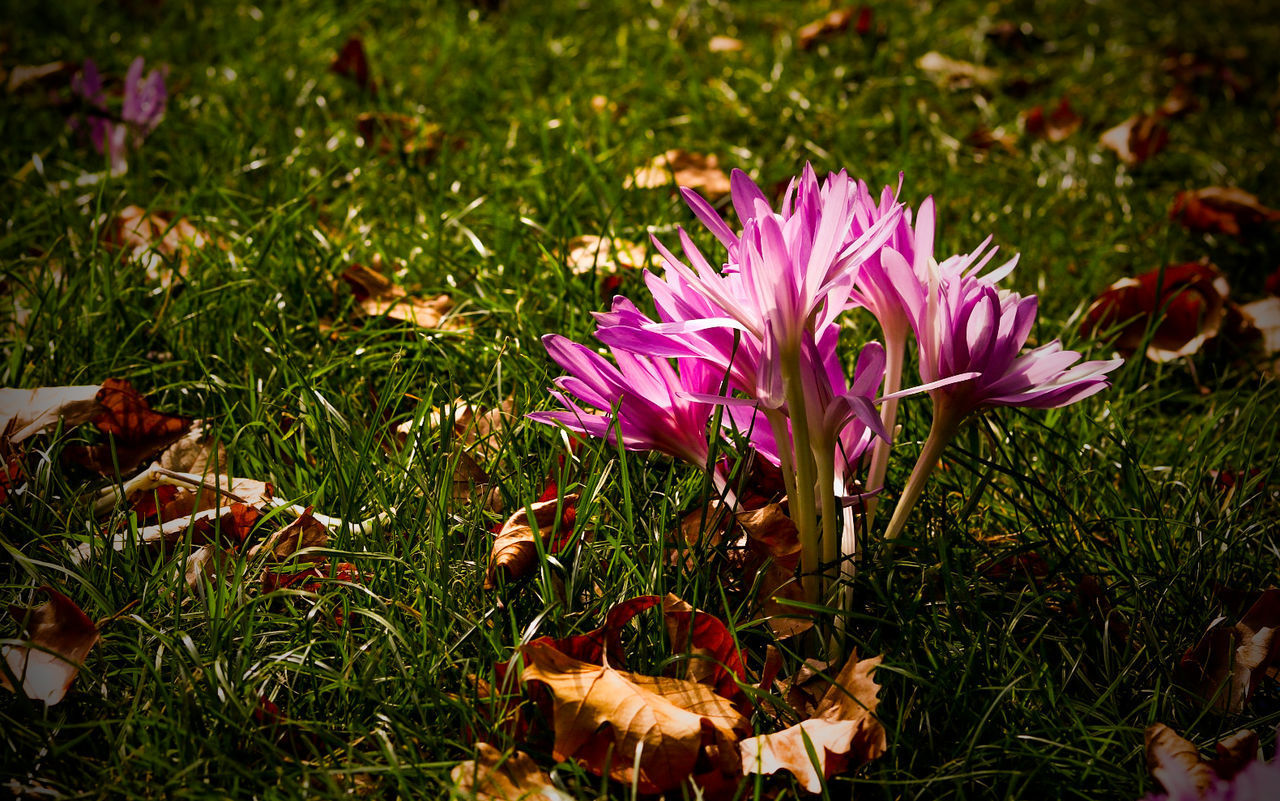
x,y
1032,618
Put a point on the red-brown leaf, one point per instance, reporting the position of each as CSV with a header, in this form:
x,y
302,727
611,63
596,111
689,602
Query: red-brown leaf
x,y
1190,297
1137,139
136,430
515,551
1231,660
1055,126
352,62
62,635
1220,209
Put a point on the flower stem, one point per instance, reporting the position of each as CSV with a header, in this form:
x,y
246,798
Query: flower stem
x,y
894,347
778,422
945,424
802,503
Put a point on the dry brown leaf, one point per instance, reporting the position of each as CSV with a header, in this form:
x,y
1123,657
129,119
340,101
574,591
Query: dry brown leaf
x,y
22,76
352,62
304,532
1220,209
160,241
714,656
843,733
1136,139
376,296
825,27
724,44
692,170
495,776
1055,126
515,551
25,412
136,430
1192,299
773,546
62,636
1264,316
1231,660
1175,762
954,74
983,139
590,254
647,730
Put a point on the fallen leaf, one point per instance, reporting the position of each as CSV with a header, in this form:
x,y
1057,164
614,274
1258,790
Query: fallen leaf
x,y
724,44
136,430
1272,284
515,551
351,62
590,254
1220,209
1012,36
403,134
377,296
60,637
714,656
304,532
1231,660
983,139
1136,139
1264,316
954,74
23,76
495,776
1056,126
833,23
692,170
843,733
1232,773
1175,762
1210,72
648,730
772,556
1190,299
160,241
1179,101
25,412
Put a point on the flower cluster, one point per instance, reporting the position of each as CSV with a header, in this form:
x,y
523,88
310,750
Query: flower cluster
x,y
140,112
758,335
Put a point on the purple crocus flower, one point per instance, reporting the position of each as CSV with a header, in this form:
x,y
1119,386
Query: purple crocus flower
x,y
142,109
968,326
643,398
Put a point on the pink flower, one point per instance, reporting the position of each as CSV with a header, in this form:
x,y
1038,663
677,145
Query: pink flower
x,y
141,110
644,399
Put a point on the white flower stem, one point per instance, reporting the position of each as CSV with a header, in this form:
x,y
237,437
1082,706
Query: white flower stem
x,y
894,348
778,422
945,424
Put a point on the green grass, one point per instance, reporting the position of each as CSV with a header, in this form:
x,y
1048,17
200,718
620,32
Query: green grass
x,y
992,689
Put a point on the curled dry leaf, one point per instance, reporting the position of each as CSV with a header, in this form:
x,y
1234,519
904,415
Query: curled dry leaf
x,y
983,139
352,62
495,776
692,170
1264,317
714,656
135,429
724,44
62,636
772,558
589,254
1233,773
23,76
648,730
160,241
304,532
1231,660
1220,209
1191,299
515,551
404,134
1055,126
376,296
842,733
25,412
1136,139
834,23
954,74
